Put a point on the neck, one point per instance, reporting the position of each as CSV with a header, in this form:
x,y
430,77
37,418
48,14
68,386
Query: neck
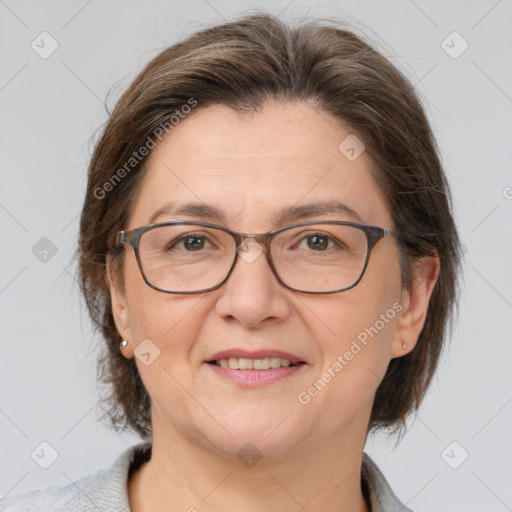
x,y
187,475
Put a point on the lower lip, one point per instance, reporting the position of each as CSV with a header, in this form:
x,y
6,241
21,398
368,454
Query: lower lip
x,y
254,378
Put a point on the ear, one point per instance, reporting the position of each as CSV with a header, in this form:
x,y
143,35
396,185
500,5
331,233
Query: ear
x,y
119,310
415,306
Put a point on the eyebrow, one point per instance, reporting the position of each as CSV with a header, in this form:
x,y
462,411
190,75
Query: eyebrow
x,y
285,215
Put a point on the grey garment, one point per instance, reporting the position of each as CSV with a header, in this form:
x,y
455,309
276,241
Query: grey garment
x,y
106,490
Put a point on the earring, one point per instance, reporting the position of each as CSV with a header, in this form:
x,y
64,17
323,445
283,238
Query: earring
x,y
404,346
123,345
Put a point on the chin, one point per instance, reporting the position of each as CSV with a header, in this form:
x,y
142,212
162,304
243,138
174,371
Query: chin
x,y
263,436
243,445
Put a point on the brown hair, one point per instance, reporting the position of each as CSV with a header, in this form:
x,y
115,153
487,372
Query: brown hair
x,y
243,64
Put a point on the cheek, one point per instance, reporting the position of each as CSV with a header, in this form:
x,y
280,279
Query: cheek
x,y
163,318
354,360
356,332
143,303
360,333
361,315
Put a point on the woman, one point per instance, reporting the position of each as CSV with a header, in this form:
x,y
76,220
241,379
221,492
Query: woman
x,y
268,249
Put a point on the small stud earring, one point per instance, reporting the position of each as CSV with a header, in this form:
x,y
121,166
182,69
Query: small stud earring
x,y
404,346
123,345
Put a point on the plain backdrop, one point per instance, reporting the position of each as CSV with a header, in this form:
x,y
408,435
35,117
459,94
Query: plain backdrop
x,y
457,53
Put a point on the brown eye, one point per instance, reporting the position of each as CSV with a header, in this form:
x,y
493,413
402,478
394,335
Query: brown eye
x,y
193,243
318,242
188,243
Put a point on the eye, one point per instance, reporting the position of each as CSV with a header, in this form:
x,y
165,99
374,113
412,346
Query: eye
x,y
318,241
194,243
191,242
336,242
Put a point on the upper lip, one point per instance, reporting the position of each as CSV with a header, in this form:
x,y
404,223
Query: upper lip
x,y
256,354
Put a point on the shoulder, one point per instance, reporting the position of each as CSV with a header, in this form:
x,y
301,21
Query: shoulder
x,y
103,490
379,493
52,498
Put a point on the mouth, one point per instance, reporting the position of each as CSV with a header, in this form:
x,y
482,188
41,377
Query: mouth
x,y
255,369
257,364
241,359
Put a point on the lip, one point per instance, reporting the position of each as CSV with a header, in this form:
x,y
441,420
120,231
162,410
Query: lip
x,y
255,378
257,354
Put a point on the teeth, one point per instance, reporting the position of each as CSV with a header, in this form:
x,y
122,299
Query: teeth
x,y
275,362
261,364
243,363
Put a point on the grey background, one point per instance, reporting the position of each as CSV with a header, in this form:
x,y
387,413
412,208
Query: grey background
x,y
50,108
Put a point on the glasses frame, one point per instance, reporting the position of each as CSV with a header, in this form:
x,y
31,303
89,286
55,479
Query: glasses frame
x,y
373,235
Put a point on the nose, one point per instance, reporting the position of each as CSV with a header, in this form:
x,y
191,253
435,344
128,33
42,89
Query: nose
x,y
252,294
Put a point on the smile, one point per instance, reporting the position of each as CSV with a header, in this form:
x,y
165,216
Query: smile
x,y
243,363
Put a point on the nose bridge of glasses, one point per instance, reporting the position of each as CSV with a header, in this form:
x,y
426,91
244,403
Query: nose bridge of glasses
x,y
250,247
257,239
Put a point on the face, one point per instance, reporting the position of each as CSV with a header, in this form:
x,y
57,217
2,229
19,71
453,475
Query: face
x,y
250,168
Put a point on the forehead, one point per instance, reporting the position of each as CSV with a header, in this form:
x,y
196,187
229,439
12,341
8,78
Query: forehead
x,y
251,168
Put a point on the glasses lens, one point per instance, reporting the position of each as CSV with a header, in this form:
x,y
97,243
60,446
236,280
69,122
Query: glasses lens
x,y
320,257
186,258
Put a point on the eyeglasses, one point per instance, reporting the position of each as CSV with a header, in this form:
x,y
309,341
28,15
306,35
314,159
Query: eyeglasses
x,y
195,257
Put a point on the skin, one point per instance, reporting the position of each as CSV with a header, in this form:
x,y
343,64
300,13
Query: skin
x,y
250,167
